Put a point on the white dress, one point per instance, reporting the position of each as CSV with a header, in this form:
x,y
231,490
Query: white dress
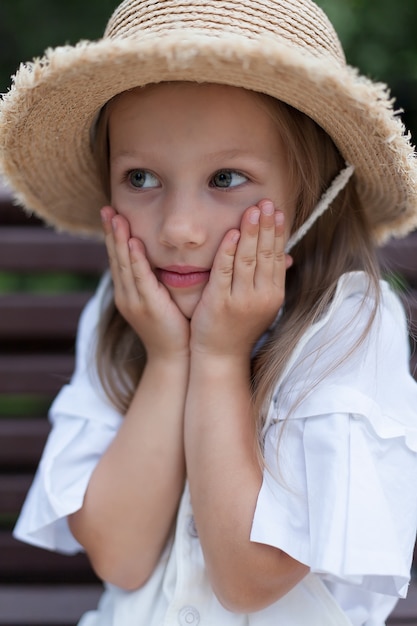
x,y
341,496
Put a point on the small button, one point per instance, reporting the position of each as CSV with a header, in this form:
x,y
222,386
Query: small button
x,y
192,528
189,616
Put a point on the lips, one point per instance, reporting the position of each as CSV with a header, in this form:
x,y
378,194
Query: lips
x,y
182,276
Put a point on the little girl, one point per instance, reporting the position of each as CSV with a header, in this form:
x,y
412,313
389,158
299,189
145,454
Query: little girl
x,y
238,443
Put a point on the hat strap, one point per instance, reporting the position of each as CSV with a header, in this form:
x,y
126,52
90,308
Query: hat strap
x,y
325,201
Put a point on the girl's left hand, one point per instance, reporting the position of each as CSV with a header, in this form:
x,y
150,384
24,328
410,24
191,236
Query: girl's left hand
x,y
246,287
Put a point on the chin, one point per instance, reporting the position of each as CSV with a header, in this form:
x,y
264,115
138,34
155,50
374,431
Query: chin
x,y
187,307
188,312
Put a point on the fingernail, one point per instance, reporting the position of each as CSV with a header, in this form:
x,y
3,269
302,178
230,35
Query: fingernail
x,y
235,237
289,261
267,208
254,216
114,224
279,218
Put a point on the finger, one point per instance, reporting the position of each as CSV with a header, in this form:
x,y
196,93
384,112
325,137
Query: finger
x,y
289,261
121,235
281,261
144,278
118,235
221,274
266,246
246,253
107,214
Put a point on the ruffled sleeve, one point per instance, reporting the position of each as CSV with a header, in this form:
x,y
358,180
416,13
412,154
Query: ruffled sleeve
x,y
338,492
83,425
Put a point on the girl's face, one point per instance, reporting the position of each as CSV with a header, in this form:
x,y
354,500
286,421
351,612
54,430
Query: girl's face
x,y
186,160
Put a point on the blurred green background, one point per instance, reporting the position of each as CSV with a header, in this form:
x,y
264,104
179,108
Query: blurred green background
x,y
379,36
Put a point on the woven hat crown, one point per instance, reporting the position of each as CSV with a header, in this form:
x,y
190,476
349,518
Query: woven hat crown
x,y
300,23
286,49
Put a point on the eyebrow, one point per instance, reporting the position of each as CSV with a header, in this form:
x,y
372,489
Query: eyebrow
x,y
210,156
126,154
232,154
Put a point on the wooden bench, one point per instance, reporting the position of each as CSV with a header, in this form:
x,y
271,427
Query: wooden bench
x,y
399,260
37,333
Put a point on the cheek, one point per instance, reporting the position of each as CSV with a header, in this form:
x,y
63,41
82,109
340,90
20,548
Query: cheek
x,y
140,222
138,219
141,225
222,223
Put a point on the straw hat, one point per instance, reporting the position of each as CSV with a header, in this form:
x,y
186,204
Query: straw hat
x,y
284,48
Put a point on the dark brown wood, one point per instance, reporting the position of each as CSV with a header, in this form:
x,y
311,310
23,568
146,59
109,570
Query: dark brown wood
x,y
37,336
35,373
31,249
29,315
400,256
398,260
13,489
21,443
406,610
10,213
59,605
21,562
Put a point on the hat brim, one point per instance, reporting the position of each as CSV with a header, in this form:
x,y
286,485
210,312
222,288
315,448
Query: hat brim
x,y
46,118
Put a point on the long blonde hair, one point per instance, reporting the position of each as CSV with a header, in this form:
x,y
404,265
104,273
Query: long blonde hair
x,y
339,242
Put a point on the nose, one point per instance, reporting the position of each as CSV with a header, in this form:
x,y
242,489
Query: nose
x,y
182,222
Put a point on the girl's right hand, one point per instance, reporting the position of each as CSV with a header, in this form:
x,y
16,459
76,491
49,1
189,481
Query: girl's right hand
x,y
140,298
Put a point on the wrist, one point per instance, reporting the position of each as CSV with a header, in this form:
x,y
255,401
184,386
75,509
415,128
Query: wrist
x,y
217,365
168,362
222,354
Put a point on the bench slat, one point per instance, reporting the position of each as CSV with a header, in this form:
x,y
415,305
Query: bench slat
x,y
22,441
21,563
42,374
400,256
10,213
37,333
46,605
29,315
13,490
29,249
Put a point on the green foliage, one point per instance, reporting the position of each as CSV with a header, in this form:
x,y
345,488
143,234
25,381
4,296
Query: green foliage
x,y
12,405
47,282
397,282
379,37
29,27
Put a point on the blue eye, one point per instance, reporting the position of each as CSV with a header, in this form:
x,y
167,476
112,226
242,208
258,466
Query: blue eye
x,y
224,179
142,179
